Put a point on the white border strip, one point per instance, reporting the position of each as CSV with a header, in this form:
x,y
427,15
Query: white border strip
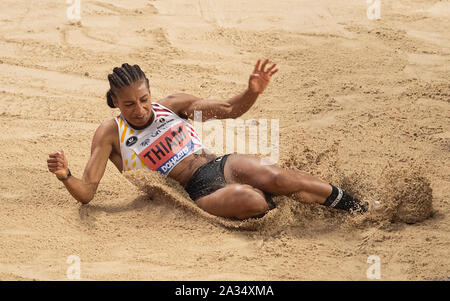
x,y
338,198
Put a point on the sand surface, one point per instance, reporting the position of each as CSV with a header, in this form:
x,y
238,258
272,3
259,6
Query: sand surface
x,y
363,103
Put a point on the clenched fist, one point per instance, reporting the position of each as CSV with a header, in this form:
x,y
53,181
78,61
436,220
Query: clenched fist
x,y
57,164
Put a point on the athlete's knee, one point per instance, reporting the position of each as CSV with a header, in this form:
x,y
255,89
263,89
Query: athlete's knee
x,y
257,208
276,180
257,204
248,201
266,176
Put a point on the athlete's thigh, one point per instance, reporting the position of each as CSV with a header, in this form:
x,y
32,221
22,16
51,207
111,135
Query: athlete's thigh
x,y
251,170
234,200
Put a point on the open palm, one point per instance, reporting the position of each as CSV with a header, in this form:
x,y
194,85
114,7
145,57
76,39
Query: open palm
x,y
260,77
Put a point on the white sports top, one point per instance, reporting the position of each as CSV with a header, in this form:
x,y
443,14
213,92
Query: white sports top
x,y
161,145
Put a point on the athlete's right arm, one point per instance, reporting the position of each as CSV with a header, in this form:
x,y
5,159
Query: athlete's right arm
x,y
84,189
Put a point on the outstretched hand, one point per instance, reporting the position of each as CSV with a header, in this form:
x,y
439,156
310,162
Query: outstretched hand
x,y
260,77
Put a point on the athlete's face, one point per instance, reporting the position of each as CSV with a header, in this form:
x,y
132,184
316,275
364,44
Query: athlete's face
x,y
134,103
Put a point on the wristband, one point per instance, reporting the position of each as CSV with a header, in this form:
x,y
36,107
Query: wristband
x,y
69,174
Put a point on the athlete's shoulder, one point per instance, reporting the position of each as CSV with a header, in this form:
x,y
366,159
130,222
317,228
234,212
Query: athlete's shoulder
x,y
107,130
108,125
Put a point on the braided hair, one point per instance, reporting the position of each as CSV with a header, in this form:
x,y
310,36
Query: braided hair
x,y
121,77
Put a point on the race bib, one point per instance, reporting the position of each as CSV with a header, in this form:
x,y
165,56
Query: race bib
x,y
165,147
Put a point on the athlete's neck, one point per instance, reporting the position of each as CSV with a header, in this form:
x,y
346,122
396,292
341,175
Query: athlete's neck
x,y
150,121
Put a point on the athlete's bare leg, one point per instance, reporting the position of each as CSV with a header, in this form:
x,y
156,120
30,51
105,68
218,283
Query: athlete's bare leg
x,y
249,170
247,177
234,200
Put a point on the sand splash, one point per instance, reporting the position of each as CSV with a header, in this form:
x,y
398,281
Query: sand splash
x,y
408,194
405,194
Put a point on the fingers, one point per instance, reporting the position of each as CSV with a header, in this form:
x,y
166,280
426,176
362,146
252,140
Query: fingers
x,y
57,154
273,72
257,66
56,161
54,167
263,66
271,67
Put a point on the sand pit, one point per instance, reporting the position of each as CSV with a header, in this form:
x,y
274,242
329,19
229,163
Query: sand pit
x,y
361,103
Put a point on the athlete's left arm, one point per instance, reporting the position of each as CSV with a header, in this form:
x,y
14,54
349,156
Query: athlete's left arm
x,y
185,105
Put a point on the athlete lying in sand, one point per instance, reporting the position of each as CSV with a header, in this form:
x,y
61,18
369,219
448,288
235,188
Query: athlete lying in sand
x,y
157,136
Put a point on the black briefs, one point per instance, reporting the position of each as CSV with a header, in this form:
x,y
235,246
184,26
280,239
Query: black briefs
x,y
210,177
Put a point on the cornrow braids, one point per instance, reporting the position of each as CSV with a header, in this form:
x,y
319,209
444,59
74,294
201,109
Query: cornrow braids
x,y
121,77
